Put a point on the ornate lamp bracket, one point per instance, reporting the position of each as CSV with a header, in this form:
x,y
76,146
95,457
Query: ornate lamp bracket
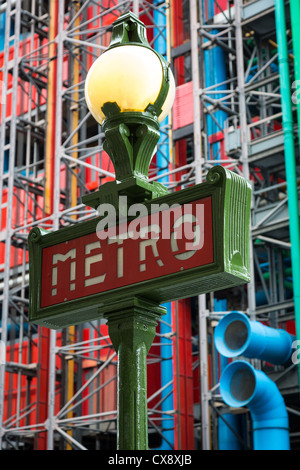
x,y
131,137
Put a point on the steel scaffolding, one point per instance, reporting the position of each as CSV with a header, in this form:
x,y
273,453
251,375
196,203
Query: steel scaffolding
x,y
250,100
49,47
58,388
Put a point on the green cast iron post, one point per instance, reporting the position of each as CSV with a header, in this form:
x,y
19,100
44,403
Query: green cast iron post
x,y
295,23
131,327
131,136
132,311
290,156
130,140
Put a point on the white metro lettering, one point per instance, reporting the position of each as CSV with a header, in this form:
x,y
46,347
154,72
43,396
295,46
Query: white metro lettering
x,y
120,259
192,226
98,265
152,242
91,260
59,257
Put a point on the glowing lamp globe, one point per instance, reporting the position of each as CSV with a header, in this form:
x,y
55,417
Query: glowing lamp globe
x,y
131,74
129,90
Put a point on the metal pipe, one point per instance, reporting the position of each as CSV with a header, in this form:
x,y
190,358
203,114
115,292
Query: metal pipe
x,y
289,151
55,198
198,150
236,335
4,7
196,21
214,75
230,427
229,432
242,385
16,16
163,162
51,112
295,25
74,119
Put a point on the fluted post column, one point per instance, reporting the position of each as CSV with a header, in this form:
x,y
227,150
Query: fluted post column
x,y
131,327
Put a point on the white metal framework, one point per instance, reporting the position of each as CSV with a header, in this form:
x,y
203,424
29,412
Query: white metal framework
x,y
45,154
50,146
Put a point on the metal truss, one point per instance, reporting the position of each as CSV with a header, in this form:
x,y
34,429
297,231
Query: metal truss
x,y
250,98
21,185
46,131
48,143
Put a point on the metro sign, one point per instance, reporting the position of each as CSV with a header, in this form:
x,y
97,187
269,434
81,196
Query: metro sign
x,y
101,262
190,242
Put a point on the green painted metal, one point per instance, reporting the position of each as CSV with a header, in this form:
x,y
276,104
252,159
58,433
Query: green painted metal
x,y
231,195
289,151
131,326
132,311
130,147
128,29
131,137
295,23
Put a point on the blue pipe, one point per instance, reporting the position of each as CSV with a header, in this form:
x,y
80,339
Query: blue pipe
x,y
242,385
166,377
160,45
12,30
215,72
16,326
227,439
220,305
235,335
2,30
261,298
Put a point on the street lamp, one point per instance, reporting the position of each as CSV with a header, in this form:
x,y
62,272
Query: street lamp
x,y
134,77
78,276
129,90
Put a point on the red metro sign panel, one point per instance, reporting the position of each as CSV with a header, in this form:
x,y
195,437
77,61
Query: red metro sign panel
x,y
163,243
186,243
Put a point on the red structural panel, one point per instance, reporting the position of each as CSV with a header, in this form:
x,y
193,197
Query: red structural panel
x,y
107,396
12,386
180,34
93,177
105,399
183,385
218,137
183,107
25,49
19,219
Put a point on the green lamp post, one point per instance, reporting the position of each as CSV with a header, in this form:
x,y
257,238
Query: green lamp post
x,y
77,276
129,89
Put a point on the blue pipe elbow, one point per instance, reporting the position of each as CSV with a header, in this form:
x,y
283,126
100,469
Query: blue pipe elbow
x,y
242,385
235,335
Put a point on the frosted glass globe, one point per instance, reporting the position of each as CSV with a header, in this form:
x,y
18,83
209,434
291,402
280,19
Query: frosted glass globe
x,y
131,76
